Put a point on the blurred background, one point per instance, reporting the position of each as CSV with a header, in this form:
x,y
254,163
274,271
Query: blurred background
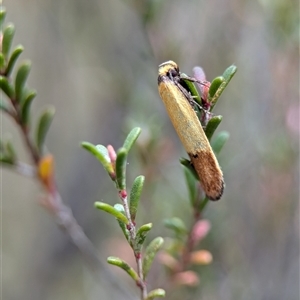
x,y
96,62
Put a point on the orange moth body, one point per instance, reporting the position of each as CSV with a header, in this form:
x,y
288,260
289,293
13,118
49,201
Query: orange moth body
x,y
177,101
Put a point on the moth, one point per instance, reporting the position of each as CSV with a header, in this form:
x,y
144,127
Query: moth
x,y
179,105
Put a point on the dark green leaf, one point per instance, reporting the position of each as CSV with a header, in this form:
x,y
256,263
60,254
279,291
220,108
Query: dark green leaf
x,y
2,61
111,210
116,261
6,87
150,253
25,108
214,86
131,138
21,78
219,141
191,88
2,16
227,75
121,162
187,164
141,236
212,125
13,58
5,159
135,195
8,35
43,127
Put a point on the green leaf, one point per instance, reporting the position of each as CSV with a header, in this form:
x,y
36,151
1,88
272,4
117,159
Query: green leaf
x,y
21,78
6,87
191,185
125,231
2,61
212,125
131,138
13,58
135,195
215,84
191,88
150,253
141,236
116,261
203,204
187,164
220,140
25,108
5,159
10,152
111,210
43,127
157,293
8,35
176,224
101,153
227,75
121,162
2,16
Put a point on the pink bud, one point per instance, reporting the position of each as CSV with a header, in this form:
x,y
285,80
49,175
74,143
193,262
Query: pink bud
x,y
111,153
200,230
189,278
201,257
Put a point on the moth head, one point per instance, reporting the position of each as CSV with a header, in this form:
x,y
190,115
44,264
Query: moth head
x,y
169,69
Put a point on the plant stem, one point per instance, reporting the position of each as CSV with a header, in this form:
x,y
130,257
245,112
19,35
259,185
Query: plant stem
x,y
138,256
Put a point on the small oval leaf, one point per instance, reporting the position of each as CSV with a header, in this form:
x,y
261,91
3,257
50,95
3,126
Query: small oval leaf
x,y
191,88
212,125
20,81
215,84
6,87
116,261
227,75
150,253
121,162
43,127
176,224
141,236
2,16
25,108
101,153
135,195
157,293
13,58
219,141
229,72
187,164
111,210
8,35
131,138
